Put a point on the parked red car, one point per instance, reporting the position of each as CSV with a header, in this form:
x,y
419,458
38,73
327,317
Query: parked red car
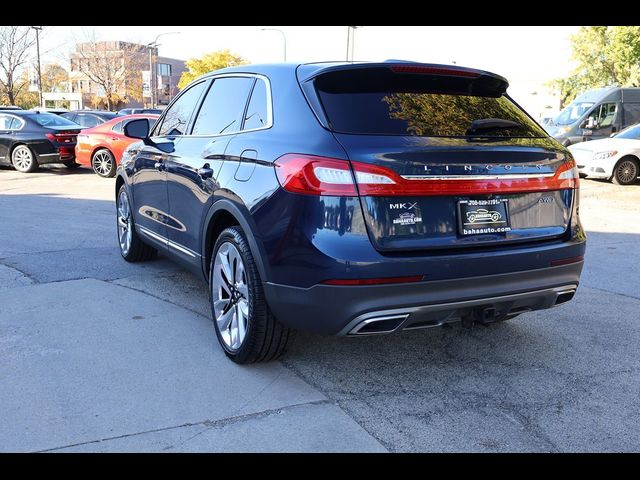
x,y
101,147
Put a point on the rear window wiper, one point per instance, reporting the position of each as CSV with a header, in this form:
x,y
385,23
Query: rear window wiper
x,y
485,124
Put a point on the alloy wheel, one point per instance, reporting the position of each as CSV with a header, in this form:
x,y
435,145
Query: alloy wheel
x,y
627,172
102,162
22,158
124,223
230,295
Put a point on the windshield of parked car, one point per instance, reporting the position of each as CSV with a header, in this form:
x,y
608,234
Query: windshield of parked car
x,y
572,113
377,102
51,120
632,132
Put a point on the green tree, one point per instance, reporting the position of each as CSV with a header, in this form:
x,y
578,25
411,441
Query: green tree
x,y
207,63
605,56
54,78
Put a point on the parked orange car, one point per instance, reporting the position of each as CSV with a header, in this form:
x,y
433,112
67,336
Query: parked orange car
x,y
101,147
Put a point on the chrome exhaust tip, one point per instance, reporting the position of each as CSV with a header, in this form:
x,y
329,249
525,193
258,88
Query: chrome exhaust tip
x,y
564,296
379,325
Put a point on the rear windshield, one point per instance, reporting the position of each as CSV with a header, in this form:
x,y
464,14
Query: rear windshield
x,y
51,120
407,105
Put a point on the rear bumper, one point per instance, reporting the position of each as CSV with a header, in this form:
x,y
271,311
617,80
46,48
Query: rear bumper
x,y
55,157
341,310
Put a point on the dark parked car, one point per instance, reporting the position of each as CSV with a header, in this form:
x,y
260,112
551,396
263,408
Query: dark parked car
x,y
9,107
340,198
135,111
89,118
31,138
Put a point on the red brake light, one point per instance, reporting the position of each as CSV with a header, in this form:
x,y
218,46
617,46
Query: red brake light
x,y
67,137
312,175
454,72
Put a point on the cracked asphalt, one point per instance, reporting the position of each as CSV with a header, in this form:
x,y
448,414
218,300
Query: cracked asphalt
x,y
101,355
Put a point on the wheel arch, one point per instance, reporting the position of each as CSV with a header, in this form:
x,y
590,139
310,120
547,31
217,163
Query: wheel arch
x,y
626,157
119,182
223,214
15,145
100,147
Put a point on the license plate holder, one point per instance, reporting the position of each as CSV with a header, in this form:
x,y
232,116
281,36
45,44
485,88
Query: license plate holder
x,y
483,216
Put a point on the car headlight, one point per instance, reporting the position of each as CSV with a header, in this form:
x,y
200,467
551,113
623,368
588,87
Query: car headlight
x,y
562,130
603,155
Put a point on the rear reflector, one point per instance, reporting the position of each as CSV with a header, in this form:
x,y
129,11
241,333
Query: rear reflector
x,y
567,261
312,175
452,72
374,281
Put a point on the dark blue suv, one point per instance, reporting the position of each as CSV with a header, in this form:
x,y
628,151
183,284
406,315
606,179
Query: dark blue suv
x,y
353,199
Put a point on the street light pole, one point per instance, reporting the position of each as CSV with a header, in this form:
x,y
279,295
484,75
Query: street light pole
x,y
351,36
38,29
151,46
284,39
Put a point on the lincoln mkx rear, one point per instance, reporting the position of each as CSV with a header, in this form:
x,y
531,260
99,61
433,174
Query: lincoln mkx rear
x,y
353,199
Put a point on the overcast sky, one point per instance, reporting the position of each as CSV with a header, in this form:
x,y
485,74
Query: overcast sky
x,y
527,56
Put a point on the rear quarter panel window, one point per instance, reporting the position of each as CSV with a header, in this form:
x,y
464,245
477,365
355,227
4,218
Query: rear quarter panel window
x,y
258,110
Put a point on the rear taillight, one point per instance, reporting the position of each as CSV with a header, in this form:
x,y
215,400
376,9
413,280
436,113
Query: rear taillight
x,y
67,137
312,175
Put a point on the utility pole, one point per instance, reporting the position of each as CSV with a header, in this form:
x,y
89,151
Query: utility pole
x,y
351,41
284,39
348,38
151,73
151,46
38,29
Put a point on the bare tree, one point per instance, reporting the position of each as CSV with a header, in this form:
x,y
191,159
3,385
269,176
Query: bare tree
x,y
116,74
15,42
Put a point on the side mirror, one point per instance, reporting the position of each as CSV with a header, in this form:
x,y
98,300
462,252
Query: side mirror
x,y
138,128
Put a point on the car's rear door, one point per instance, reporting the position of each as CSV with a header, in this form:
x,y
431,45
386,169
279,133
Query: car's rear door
x,y
442,167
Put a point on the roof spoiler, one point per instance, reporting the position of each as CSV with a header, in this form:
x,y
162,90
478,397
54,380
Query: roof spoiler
x,y
479,81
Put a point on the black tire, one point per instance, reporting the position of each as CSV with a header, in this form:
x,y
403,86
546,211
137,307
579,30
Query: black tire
x,y
104,163
626,171
265,338
23,159
72,165
137,250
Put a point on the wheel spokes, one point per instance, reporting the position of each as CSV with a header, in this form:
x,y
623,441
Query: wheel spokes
x,y
230,295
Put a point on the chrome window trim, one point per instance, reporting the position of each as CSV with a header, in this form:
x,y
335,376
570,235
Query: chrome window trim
x,y
17,118
235,132
160,120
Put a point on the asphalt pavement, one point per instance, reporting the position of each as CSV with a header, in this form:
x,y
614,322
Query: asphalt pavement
x,y
101,355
